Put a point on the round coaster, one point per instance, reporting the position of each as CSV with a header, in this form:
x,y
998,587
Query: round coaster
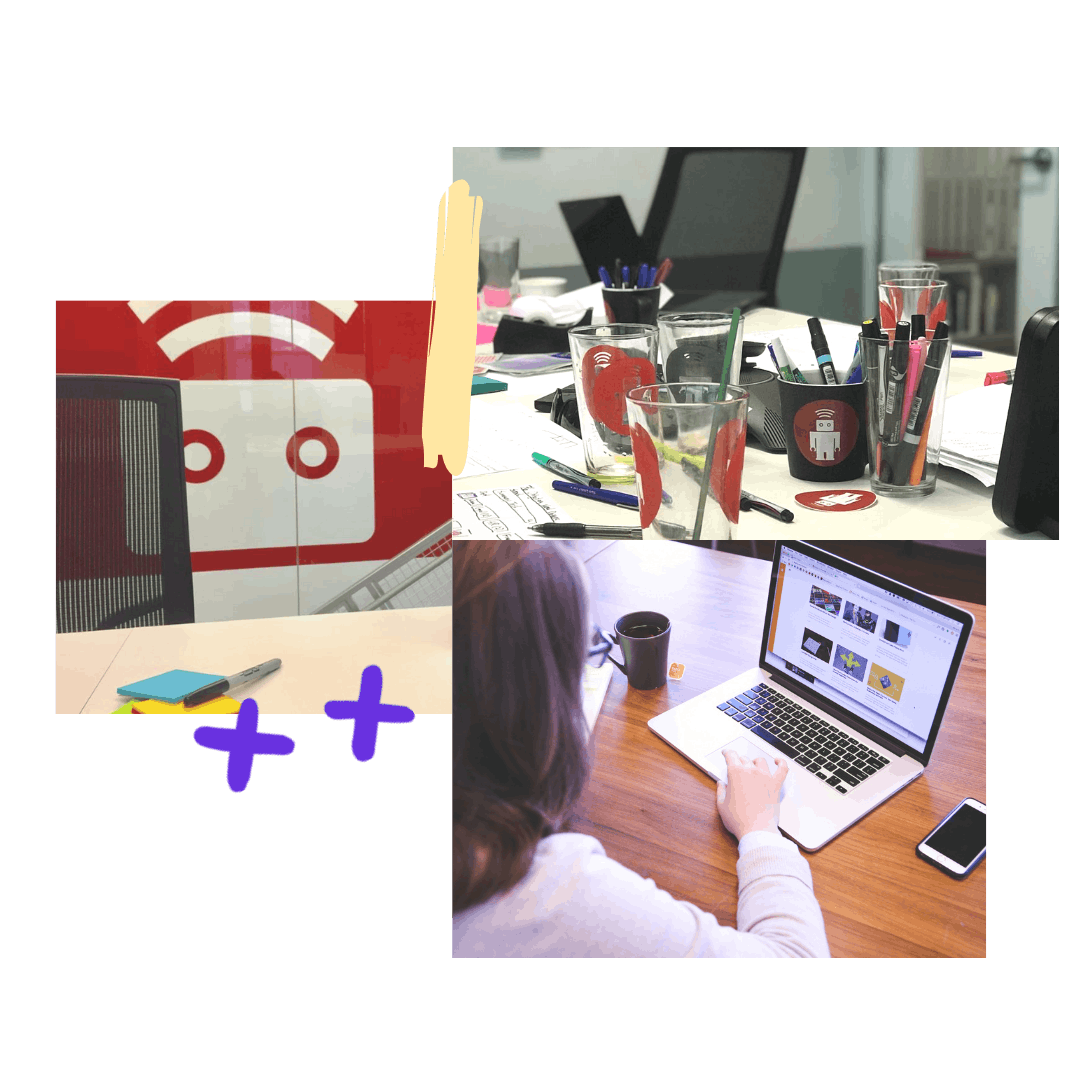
x,y
836,499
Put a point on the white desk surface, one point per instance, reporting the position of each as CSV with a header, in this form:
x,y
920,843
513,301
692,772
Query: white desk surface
x,y
960,508
322,659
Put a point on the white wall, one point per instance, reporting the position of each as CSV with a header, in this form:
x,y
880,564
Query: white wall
x,y
521,195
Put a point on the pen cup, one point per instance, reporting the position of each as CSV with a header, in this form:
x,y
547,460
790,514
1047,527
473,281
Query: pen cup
x,y
900,298
905,413
609,361
670,428
632,305
693,344
824,430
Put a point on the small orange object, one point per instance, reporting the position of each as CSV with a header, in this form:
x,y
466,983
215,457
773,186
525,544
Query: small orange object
x,y
676,671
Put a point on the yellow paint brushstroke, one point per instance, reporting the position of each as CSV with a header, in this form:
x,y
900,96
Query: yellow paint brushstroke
x,y
452,330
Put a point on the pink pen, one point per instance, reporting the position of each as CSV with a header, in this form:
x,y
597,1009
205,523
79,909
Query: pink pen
x,y
916,359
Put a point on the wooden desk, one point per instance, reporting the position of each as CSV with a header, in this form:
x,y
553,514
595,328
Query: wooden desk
x,y
960,508
656,813
322,659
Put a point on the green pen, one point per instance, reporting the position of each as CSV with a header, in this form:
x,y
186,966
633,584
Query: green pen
x,y
559,469
783,364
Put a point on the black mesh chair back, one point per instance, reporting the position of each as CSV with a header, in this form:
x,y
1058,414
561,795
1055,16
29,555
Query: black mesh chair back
x,y
721,215
123,555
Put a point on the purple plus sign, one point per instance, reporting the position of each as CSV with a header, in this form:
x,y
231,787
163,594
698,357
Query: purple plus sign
x,y
242,743
368,712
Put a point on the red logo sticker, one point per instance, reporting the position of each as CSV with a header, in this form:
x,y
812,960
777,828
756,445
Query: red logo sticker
x,y
826,431
837,499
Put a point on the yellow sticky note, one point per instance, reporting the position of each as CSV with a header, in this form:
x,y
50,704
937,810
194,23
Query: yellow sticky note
x,y
218,705
125,708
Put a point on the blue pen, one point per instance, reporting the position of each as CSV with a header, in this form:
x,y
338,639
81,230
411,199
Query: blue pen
x,y
626,277
615,498
855,374
642,276
967,352
652,276
605,277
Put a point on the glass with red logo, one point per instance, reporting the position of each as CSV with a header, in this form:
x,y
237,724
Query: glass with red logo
x,y
671,427
609,361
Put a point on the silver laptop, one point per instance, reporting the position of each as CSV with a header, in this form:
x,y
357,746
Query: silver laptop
x,y
853,677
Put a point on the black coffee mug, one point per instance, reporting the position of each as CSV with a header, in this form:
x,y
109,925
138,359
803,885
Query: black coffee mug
x,y
825,430
643,637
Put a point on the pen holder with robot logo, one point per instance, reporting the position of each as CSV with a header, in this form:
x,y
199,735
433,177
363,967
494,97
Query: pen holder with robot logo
x,y
905,391
609,361
825,430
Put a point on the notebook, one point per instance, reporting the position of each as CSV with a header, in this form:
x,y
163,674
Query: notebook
x,y
853,678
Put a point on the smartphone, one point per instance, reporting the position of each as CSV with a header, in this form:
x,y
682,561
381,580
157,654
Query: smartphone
x,y
958,844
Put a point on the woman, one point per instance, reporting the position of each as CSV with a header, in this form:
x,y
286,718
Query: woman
x,y
522,630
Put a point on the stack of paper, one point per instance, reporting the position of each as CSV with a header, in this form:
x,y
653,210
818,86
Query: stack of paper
x,y
974,429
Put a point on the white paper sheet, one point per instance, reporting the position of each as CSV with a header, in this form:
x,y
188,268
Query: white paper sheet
x,y
503,438
974,429
502,513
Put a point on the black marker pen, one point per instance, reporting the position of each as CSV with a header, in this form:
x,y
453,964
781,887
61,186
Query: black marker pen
x,y
821,351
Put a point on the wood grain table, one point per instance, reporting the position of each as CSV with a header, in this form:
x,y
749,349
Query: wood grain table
x,y
655,812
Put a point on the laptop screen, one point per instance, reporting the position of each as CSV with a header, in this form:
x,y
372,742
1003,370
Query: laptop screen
x,y
880,651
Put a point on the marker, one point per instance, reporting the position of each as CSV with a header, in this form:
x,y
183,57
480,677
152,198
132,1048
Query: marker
x,y
993,377
665,269
904,456
891,429
780,359
605,277
626,277
559,469
754,502
572,530
821,351
223,686
615,498
652,277
642,276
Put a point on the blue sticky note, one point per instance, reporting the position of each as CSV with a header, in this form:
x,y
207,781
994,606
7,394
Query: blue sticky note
x,y
173,686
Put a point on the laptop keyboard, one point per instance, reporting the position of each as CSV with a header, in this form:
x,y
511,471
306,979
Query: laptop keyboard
x,y
811,742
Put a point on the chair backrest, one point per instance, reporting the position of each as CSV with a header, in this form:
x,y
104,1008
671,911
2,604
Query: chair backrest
x,y
721,215
123,555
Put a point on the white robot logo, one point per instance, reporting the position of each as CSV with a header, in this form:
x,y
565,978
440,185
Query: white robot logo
x,y
825,439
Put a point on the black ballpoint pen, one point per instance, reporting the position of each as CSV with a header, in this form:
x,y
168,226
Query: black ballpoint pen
x,y
755,502
574,530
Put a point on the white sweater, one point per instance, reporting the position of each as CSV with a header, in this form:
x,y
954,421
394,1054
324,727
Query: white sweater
x,y
575,901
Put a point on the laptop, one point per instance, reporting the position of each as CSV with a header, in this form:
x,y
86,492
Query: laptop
x,y
853,678
602,232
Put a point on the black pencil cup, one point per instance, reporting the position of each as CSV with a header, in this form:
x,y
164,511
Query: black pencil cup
x,y
632,305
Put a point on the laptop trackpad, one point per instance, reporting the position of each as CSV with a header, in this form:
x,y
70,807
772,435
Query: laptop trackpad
x,y
716,764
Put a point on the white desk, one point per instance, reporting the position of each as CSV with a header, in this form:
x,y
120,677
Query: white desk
x,y
959,509
322,659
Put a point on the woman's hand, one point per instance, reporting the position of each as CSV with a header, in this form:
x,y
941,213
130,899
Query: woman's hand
x,y
750,800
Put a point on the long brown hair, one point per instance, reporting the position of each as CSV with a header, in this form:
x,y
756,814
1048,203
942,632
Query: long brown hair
x,y
521,622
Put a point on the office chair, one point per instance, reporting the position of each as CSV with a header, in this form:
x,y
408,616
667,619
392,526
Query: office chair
x,y
721,215
123,555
